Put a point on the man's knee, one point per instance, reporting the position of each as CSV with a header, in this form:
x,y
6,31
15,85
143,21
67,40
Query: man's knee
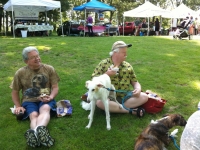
x,y
144,97
100,104
34,114
45,107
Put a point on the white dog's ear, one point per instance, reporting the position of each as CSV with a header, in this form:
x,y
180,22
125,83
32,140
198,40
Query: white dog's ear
x,y
100,85
86,83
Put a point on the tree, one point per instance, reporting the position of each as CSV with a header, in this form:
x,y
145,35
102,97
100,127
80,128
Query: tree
x,y
2,2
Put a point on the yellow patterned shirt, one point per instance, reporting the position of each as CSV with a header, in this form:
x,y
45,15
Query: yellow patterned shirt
x,y
122,80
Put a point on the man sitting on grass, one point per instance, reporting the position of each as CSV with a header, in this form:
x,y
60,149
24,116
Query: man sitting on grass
x,y
39,85
122,77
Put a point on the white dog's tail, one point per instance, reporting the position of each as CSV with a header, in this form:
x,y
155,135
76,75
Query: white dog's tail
x,y
86,106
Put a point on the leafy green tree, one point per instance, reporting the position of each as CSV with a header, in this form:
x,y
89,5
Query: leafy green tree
x,y
2,2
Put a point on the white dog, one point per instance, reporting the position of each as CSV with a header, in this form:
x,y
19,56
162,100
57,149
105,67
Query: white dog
x,y
97,91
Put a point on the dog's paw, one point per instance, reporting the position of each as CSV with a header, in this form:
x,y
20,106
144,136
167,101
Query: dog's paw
x,y
108,128
87,127
120,106
173,133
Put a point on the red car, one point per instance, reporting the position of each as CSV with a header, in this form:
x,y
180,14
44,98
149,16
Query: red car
x,y
129,28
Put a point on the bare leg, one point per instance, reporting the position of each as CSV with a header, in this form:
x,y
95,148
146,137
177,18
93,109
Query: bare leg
x,y
133,102
44,116
33,118
41,119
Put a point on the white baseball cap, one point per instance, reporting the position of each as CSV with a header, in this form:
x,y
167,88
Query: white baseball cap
x,y
120,44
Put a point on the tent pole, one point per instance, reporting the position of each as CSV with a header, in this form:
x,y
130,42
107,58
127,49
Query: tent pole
x,y
13,23
123,25
45,16
117,22
148,27
171,24
85,22
61,20
4,22
160,25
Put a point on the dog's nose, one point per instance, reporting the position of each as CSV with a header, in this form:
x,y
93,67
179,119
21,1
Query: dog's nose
x,y
184,123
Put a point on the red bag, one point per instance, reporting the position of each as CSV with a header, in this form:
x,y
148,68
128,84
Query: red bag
x,y
154,105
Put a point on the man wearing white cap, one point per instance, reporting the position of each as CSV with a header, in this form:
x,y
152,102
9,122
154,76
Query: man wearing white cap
x,y
122,77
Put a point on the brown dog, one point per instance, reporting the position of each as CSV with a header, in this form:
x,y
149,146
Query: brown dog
x,y
156,135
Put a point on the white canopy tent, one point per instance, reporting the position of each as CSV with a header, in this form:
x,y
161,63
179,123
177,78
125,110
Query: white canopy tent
x,y
32,6
182,11
198,13
146,10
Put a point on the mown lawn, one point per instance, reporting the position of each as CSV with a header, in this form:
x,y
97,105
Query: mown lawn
x,y
168,67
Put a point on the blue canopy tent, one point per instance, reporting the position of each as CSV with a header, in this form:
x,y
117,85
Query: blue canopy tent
x,y
94,6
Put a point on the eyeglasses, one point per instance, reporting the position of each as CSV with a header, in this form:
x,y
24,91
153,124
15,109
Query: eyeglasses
x,y
34,57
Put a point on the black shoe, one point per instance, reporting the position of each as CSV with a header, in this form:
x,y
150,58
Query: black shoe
x,y
31,138
44,137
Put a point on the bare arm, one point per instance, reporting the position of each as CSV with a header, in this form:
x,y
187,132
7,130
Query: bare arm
x,y
54,91
16,101
137,88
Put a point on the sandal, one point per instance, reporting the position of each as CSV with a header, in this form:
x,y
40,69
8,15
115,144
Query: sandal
x,y
138,111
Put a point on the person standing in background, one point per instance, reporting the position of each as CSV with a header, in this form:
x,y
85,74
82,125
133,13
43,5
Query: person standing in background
x,y
196,24
90,25
157,26
137,23
191,26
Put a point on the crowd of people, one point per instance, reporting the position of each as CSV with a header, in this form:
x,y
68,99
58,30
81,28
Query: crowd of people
x,y
189,23
142,25
187,26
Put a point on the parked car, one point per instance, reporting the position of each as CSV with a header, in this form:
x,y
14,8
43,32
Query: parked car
x,y
111,29
69,28
129,28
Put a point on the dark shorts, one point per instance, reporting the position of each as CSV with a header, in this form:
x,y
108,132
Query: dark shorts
x,y
35,106
124,99
157,29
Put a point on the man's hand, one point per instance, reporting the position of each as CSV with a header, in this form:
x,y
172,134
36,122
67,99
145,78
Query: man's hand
x,y
45,98
19,109
136,92
110,72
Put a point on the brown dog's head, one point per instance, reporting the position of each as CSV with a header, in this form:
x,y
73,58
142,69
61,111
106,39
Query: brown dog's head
x,y
39,81
174,120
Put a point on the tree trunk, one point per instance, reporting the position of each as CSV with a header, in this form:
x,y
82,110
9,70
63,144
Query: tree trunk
x,y
6,21
1,16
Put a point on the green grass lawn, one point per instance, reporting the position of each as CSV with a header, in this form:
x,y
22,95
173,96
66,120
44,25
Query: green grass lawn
x,y
168,67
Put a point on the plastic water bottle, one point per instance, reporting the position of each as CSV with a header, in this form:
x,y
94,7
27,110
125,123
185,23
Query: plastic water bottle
x,y
198,106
